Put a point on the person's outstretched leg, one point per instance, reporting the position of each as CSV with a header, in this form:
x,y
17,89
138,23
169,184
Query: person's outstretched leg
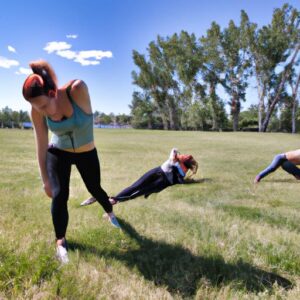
x,y
141,186
291,169
138,188
275,164
89,168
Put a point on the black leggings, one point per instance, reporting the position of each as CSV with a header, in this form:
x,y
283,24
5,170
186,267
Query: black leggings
x,y
153,181
59,170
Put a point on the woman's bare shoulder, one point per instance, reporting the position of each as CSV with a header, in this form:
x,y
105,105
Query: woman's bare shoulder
x,y
80,94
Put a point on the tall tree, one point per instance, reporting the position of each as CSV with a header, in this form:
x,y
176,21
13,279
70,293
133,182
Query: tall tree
x,y
237,64
272,46
155,77
212,70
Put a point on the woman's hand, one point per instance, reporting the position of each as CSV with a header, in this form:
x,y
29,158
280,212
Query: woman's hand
x,y
47,189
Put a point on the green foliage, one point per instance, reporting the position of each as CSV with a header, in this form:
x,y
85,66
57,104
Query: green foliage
x,y
104,119
13,119
143,112
273,46
249,118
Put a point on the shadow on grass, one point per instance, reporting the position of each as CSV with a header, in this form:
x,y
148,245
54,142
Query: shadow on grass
x,y
283,180
191,180
181,271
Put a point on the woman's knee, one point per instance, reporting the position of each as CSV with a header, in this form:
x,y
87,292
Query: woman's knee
x,y
98,193
59,202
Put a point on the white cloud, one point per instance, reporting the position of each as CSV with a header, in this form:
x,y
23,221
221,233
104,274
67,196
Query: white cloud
x,y
56,46
97,54
69,54
11,49
85,62
7,63
24,71
72,36
85,58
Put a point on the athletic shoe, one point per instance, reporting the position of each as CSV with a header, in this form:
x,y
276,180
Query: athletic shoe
x,y
62,254
88,201
113,220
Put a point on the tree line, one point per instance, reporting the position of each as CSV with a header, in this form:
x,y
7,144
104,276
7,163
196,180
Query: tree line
x,y
248,119
180,78
10,118
13,119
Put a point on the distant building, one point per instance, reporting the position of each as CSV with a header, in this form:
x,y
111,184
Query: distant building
x,y
111,126
27,125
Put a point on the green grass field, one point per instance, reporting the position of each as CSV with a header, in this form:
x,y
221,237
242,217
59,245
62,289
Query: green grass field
x,y
216,239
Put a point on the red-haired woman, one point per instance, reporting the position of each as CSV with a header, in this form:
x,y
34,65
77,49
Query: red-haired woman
x,y
67,113
172,171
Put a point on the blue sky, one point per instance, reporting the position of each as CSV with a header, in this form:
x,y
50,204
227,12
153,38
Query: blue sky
x,y
93,40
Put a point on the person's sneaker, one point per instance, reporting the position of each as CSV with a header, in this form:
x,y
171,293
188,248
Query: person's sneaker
x,y
88,201
113,201
62,254
113,220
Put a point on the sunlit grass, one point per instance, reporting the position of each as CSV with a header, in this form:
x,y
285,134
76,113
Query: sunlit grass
x,y
220,238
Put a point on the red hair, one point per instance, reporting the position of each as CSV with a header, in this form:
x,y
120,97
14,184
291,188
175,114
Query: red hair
x,y
42,82
33,86
187,162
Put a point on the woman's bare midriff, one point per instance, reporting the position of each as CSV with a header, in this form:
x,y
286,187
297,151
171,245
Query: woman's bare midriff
x,y
84,148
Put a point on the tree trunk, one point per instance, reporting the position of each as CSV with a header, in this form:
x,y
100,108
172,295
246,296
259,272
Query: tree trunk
x,y
212,94
171,119
295,104
235,119
261,105
149,123
274,102
278,92
162,107
235,112
165,121
294,110
172,115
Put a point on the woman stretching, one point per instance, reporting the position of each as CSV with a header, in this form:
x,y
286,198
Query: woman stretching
x,y
155,180
287,161
67,113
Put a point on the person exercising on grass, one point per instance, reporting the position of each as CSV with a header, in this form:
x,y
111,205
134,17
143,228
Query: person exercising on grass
x,y
171,172
288,161
65,111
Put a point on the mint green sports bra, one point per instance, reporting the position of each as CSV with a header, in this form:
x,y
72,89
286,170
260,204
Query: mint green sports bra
x,y
72,132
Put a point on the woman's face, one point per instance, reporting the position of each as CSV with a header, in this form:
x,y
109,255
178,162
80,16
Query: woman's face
x,y
44,105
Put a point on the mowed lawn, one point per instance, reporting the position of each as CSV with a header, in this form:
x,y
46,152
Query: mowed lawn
x,y
216,239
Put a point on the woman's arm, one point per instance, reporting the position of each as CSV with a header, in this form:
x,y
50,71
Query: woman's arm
x,y
41,142
180,170
173,155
